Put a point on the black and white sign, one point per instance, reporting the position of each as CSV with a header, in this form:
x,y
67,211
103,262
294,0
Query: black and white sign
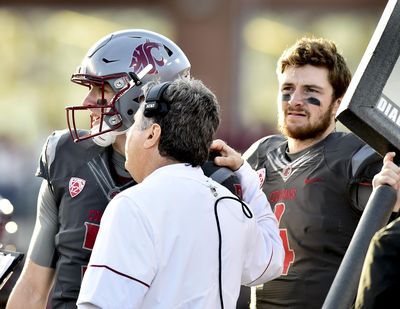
x,y
371,105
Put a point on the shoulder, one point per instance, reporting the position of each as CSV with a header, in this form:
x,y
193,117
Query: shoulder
x,y
223,176
265,143
257,151
51,145
345,141
349,147
141,193
60,149
129,210
61,140
270,141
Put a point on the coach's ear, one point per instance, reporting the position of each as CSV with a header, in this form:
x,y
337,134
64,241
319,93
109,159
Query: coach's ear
x,y
153,136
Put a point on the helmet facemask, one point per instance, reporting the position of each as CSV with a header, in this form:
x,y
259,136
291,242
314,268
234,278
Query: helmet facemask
x,y
106,124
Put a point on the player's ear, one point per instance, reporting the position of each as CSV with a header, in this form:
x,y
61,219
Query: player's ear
x,y
336,105
153,136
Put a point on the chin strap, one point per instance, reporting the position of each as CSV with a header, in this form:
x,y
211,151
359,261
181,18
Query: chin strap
x,y
105,139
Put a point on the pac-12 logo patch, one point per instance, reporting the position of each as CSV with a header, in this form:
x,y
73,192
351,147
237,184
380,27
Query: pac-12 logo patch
x,y
76,186
261,176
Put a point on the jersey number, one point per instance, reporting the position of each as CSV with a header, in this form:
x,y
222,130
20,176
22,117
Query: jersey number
x,y
90,235
289,253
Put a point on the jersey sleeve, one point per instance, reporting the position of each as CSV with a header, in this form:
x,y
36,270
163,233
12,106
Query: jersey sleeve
x,y
42,249
365,164
251,154
265,253
120,271
42,246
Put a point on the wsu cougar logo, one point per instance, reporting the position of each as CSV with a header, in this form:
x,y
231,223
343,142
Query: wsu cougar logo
x,y
142,56
76,186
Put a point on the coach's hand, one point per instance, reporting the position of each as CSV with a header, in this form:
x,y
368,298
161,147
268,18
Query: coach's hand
x,y
229,157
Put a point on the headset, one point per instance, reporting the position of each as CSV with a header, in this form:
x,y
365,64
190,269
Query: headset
x,y
156,103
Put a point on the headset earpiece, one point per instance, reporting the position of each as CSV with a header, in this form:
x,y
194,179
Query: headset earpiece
x,y
155,102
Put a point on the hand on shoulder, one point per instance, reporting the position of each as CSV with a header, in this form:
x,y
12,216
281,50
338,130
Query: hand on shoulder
x,y
228,156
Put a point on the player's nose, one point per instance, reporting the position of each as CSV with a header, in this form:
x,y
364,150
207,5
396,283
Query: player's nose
x,y
296,98
91,99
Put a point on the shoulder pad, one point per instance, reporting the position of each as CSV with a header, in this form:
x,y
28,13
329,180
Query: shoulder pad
x,y
364,156
257,152
48,153
263,143
217,173
223,176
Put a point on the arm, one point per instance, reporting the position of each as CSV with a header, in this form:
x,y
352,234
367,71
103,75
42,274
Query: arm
x,y
266,243
266,254
32,288
35,281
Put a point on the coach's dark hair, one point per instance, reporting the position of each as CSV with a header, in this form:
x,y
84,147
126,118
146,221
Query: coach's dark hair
x,y
322,53
188,128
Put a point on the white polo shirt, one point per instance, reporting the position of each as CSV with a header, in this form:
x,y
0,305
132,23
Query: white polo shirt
x,y
158,244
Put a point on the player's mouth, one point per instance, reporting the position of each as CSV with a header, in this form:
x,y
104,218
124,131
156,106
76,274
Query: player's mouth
x,y
296,114
95,120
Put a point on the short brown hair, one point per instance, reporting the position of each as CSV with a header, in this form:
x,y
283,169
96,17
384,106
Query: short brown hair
x,y
321,53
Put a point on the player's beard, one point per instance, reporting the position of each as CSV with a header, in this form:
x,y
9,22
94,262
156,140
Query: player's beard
x,y
310,131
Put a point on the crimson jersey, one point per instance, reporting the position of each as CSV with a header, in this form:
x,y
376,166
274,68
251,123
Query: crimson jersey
x,y
82,180
317,196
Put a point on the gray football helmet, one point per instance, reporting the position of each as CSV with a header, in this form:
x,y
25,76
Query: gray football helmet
x,y
125,60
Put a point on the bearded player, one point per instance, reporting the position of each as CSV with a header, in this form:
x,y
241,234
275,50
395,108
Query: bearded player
x,y
316,179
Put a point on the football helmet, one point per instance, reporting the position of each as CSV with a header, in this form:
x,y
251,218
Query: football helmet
x,y
125,60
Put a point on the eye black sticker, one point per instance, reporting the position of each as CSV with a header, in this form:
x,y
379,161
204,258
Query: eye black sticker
x,y
313,101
